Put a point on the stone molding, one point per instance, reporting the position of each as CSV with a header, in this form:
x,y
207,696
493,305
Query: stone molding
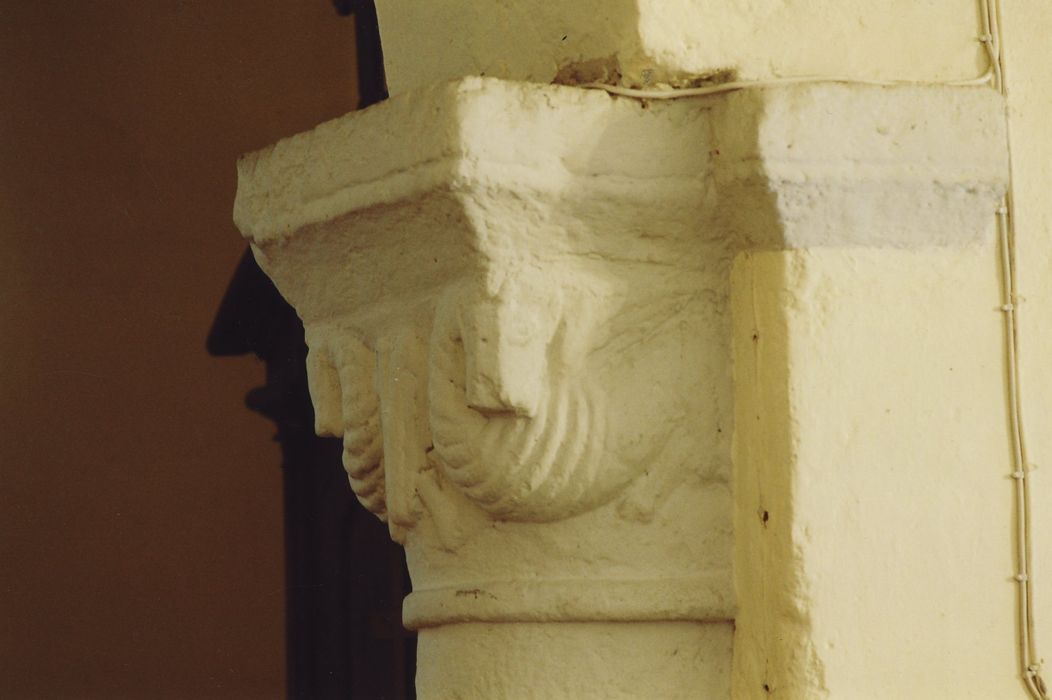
x,y
701,598
795,143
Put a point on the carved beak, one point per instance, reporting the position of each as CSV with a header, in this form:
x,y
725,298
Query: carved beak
x,y
505,347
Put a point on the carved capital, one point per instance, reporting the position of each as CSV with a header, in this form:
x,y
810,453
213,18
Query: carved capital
x,y
517,305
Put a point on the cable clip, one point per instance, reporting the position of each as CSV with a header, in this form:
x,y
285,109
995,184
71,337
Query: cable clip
x,y
1002,210
1007,307
1022,578
1018,475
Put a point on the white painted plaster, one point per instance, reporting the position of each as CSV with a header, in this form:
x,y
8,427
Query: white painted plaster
x,y
889,463
573,660
873,524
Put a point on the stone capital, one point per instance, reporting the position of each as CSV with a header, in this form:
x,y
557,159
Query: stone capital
x,y
518,305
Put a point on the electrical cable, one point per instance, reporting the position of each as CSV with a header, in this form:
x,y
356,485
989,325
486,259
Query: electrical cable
x,y
991,39
679,93
1029,659
991,75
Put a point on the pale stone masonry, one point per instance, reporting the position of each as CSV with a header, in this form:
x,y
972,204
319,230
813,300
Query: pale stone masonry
x,y
698,398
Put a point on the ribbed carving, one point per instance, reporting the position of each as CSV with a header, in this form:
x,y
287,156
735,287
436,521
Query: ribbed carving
x,y
362,439
341,371
546,465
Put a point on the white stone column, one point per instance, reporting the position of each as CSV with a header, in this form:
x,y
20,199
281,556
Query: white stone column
x,y
521,332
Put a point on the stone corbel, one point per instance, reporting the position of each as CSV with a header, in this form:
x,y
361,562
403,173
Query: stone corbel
x,y
517,302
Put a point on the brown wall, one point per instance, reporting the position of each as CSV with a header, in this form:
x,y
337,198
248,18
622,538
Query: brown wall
x,y
140,502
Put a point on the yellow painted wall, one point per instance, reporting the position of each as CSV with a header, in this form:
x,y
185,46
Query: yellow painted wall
x,y
876,428
651,41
